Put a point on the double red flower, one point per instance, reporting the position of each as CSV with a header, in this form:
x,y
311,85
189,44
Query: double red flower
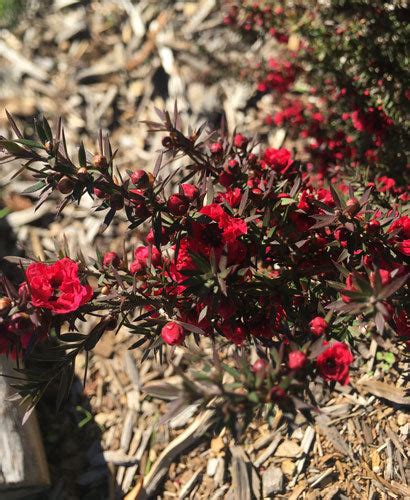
x,y
56,286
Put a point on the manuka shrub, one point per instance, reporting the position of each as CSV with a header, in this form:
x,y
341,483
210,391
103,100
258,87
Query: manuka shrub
x,y
245,249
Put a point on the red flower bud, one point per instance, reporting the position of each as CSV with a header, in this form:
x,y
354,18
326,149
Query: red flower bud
x,y
240,141
164,237
111,258
190,191
225,179
138,267
141,210
99,193
178,204
172,333
373,226
277,394
216,148
297,360
318,326
260,365
233,165
140,179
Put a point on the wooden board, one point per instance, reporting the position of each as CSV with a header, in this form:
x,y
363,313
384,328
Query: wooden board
x,y
23,465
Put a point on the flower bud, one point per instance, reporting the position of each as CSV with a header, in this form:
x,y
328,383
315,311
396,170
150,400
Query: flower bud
x,y
240,141
277,394
99,161
373,226
225,179
5,305
140,179
20,323
111,258
318,326
216,148
116,201
137,267
164,237
82,172
178,204
297,360
99,193
111,323
260,365
65,185
352,206
105,290
190,191
233,166
167,142
172,333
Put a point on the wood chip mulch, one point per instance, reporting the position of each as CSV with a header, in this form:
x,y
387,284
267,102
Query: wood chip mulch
x,y
107,64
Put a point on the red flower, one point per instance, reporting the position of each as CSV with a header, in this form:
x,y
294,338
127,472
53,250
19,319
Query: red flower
x,y
318,326
402,224
404,247
150,239
334,362
231,227
234,333
401,239
141,254
385,277
402,321
278,159
57,286
232,197
297,360
172,333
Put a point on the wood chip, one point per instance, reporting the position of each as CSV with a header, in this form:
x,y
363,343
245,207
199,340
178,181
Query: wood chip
x,y
385,391
191,435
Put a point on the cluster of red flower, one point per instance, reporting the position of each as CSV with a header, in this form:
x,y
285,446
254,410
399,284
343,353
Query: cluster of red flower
x,y
251,250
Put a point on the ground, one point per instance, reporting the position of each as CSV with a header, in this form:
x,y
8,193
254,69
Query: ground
x,y
108,64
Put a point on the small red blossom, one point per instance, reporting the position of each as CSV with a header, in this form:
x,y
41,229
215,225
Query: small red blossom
x,y
111,258
172,333
297,360
318,326
190,191
334,363
178,204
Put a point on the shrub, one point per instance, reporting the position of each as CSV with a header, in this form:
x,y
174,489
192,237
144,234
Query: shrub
x,y
244,247
350,101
